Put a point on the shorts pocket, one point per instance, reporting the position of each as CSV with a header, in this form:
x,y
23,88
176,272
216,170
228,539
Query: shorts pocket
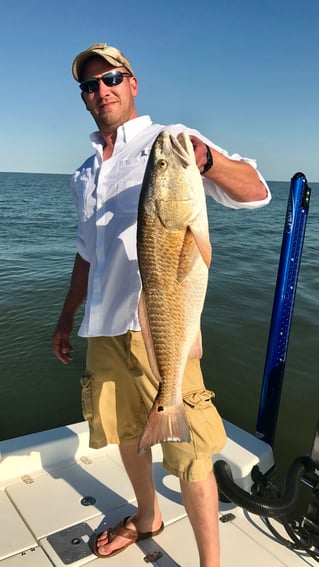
x,y
86,397
206,426
200,399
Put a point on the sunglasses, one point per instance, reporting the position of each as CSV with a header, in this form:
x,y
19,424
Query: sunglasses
x,y
111,79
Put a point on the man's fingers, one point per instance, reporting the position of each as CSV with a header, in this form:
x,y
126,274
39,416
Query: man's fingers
x,y
62,348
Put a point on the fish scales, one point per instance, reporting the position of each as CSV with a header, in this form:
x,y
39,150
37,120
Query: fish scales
x,y
172,243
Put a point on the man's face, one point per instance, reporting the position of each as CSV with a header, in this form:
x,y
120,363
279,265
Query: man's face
x,y
109,106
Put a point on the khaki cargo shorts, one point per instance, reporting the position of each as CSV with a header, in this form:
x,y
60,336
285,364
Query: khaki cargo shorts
x,y
118,390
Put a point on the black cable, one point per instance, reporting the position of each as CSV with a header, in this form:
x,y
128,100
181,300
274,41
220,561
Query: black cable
x,y
277,535
267,502
279,507
297,543
302,538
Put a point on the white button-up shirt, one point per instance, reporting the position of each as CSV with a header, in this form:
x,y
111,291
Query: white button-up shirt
x,y
106,194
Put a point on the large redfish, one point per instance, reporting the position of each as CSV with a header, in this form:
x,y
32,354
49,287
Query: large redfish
x,y
174,255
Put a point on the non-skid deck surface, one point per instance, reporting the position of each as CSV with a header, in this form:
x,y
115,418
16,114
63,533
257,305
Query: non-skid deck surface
x,y
43,511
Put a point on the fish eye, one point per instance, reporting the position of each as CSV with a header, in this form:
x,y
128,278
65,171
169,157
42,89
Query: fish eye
x,y
162,164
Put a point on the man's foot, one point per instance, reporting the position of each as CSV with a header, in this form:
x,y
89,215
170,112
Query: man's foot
x,y
114,540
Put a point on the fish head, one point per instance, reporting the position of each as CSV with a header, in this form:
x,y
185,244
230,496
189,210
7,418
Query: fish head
x,y
173,181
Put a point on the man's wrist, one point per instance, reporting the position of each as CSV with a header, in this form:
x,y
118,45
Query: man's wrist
x,y
209,160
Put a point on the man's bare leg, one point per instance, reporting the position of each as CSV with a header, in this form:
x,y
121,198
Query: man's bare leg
x,y
148,516
200,499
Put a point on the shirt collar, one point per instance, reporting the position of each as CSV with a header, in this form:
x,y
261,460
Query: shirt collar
x,y
125,133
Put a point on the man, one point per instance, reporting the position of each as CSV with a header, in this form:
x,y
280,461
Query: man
x,y
118,387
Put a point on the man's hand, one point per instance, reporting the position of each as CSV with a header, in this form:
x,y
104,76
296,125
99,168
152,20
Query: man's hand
x,y
200,151
61,345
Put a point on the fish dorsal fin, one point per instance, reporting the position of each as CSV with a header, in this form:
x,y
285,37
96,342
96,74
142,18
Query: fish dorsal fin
x,y
147,337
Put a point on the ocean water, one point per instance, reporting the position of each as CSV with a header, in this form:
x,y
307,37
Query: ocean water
x,y
37,247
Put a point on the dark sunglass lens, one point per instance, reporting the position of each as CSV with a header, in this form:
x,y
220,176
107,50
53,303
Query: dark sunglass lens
x,y
112,79
109,79
90,86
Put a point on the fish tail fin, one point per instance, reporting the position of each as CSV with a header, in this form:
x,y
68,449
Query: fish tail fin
x,y
164,424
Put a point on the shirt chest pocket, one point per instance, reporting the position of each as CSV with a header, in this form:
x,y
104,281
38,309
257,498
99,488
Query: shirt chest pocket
x,y
85,197
129,183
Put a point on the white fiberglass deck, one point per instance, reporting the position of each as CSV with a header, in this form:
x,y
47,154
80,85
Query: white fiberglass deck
x,y
43,522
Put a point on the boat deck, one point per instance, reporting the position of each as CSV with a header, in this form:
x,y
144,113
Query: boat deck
x,y
55,491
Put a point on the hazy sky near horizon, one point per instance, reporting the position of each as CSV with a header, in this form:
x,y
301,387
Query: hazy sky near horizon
x,y
243,72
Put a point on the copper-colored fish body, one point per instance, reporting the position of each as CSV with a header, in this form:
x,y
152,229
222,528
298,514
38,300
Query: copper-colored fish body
x,y
174,255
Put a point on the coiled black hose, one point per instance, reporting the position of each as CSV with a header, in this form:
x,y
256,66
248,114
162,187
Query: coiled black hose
x,y
279,507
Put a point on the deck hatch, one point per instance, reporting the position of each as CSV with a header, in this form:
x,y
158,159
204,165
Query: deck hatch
x,y
72,544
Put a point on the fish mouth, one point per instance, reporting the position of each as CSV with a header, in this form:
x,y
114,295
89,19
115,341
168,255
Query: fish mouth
x,y
179,145
176,209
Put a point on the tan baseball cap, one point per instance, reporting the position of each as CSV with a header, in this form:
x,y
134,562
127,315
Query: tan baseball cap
x,y
111,54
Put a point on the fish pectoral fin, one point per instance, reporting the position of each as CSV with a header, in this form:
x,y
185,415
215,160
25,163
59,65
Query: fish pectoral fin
x,y
203,243
187,256
195,241
196,350
147,337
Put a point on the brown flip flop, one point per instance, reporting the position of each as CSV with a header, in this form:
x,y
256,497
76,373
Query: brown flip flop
x,y
121,530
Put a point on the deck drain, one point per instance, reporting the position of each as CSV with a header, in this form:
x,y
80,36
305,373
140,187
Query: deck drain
x,y
227,517
88,501
153,557
72,544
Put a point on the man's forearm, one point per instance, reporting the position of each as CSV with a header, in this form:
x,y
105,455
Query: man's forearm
x,y
78,287
237,178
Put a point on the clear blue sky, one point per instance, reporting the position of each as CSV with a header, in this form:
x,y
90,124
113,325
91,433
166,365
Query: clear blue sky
x,y
243,72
